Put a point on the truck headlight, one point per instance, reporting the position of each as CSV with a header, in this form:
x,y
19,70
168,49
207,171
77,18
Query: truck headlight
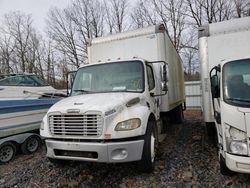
x,y
128,125
237,134
238,147
236,141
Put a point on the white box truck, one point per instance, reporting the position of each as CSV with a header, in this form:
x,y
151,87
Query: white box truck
x,y
224,49
134,81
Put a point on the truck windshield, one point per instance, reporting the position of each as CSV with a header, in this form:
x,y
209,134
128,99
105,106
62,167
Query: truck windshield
x,y
110,77
236,82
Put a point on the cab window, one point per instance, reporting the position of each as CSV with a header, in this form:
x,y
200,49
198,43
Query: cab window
x,y
150,75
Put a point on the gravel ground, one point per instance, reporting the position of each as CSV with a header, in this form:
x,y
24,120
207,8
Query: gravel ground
x,y
186,159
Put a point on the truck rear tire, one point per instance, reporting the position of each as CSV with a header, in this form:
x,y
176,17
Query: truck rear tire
x,y
146,164
7,152
31,144
177,115
210,128
223,168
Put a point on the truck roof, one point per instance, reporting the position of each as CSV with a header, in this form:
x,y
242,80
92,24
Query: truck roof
x,y
228,26
129,34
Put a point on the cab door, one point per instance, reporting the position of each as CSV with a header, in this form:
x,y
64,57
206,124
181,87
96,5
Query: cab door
x,y
153,100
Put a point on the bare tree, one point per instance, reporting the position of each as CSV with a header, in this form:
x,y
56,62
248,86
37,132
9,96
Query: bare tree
x,y
70,29
209,11
223,11
108,18
6,51
21,43
242,7
63,31
88,17
63,68
38,54
172,15
116,11
73,27
201,12
195,9
81,16
143,14
50,63
189,54
39,50
31,53
97,18
19,26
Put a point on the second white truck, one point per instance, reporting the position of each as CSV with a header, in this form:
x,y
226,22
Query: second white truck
x,y
120,102
225,75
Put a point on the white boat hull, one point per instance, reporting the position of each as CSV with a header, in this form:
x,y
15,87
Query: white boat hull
x,y
22,116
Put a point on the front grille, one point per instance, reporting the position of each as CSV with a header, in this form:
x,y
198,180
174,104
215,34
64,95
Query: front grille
x,y
76,125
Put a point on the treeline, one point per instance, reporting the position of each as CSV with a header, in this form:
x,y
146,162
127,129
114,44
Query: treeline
x,y
64,48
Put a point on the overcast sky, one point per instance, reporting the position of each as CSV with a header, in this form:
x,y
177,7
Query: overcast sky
x,y
38,9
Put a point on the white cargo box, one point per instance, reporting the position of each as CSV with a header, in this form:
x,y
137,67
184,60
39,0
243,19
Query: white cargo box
x,y
149,44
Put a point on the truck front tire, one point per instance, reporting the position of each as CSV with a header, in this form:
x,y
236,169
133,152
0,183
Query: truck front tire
x,y
223,168
146,164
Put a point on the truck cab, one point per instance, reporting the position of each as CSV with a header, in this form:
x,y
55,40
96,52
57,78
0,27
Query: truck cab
x,y
118,105
230,87
225,77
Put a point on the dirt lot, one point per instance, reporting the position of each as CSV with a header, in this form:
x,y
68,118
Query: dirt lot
x,y
186,159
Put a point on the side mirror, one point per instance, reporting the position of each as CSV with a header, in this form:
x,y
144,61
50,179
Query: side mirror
x,y
164,78
215,89
70,80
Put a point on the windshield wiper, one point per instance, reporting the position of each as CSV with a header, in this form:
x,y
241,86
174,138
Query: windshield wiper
x,y
240,100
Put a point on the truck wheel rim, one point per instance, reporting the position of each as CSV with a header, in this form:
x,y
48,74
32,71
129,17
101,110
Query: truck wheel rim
x,y
32,145
152,149
6,153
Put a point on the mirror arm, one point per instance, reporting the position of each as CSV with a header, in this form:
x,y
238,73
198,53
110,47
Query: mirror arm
x,y
159,94
68,74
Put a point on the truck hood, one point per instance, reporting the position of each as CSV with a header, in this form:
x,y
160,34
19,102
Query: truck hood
x,y
101,102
